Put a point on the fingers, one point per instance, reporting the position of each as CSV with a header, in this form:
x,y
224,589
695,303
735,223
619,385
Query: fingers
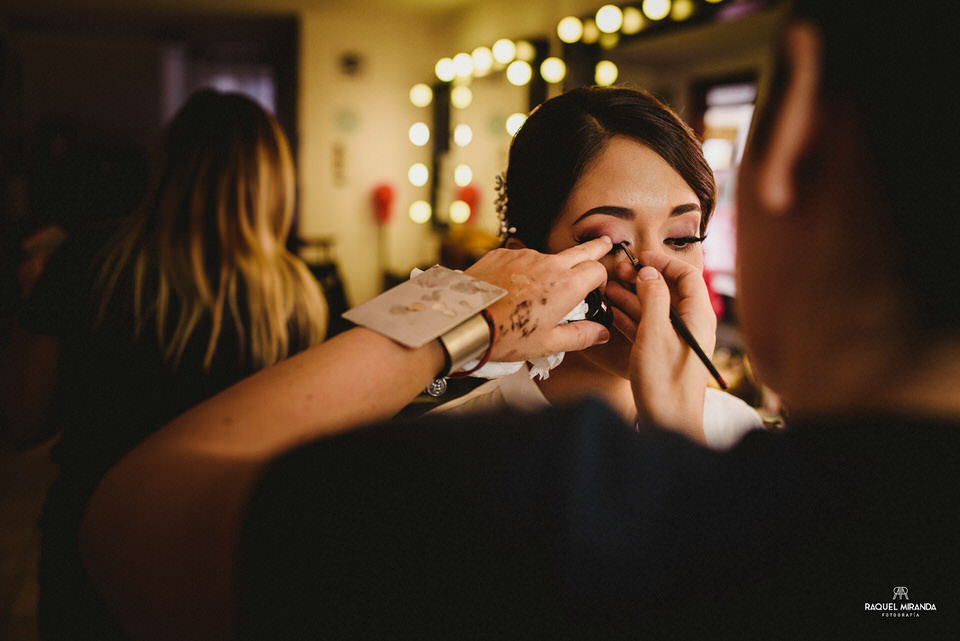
x,y
624,324
571,337
591,250
685,281
653,296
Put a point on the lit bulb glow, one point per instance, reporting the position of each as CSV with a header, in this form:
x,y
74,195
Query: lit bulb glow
x,y
504,51
605,73
609,18
553,70
682,9
462,135
462,65
609,40
462,175
514,122
519,73
656,9
418,175
459,211
445,70
461,97
525,51
590,32
419,134
632,21
570,29
421,95
420,211
482,61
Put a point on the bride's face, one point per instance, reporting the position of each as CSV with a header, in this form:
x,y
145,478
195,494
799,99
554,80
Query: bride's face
x,y
632,195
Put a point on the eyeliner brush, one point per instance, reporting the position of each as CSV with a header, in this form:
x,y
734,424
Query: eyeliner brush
x,y
680,327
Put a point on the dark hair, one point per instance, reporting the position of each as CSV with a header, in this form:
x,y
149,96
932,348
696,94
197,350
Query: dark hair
x,y
563,135
895,64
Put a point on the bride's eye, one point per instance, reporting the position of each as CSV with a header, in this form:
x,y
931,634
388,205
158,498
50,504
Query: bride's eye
x,y
683,243
588,237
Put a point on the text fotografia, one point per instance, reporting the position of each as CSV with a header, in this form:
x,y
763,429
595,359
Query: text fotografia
x,y
900,609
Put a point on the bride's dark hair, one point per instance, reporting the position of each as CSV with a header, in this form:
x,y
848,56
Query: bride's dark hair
x,y
563,135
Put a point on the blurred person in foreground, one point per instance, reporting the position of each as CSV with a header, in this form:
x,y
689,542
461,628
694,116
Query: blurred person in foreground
x,y
569,524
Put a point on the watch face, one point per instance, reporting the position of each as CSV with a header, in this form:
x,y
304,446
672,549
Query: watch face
x,y
429,304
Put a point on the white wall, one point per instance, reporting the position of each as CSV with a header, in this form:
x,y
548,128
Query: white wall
x,y
353,136
399,48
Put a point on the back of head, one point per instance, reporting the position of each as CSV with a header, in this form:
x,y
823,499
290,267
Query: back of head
x,y
224,171
208,241
895,63
563,135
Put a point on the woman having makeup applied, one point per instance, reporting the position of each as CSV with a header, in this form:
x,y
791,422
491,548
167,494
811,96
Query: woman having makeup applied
x,y
617,162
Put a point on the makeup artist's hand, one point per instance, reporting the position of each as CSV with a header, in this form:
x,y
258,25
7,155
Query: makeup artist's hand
x,y
541,290
668,380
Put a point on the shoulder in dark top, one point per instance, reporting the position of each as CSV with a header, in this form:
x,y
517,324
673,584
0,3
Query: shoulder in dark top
x,y
567,523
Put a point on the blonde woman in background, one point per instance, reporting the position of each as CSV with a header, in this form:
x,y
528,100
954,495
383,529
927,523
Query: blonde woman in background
x,y
132,324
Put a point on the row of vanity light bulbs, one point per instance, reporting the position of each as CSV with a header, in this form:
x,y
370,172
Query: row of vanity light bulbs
x,y
515,58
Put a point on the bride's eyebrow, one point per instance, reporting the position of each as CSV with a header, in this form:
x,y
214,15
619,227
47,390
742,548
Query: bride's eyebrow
x,y
608,210
628,214
682,209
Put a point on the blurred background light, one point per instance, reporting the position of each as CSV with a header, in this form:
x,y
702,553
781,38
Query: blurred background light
x,y
609,18
419,134
462,65
461,97
605,73
656,9
553,70
514,122
570,29
482,61
420,211
421,95
459,211
418,175
632,20
445,70
525,51
504,50
609,40
462,175
462,135
519,73
682,9
590,32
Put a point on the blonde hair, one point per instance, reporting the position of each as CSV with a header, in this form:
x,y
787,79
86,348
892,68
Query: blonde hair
x,y
208,241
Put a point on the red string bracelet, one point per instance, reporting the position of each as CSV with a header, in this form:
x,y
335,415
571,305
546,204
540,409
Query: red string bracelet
x,y
486,354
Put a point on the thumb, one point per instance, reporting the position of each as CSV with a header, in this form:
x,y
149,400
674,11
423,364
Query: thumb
x,y
654,295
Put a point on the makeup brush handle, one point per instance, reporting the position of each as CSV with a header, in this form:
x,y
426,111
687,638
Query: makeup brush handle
x,y
688,338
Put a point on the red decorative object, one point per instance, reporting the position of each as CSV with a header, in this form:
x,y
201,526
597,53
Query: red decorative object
x,y
716,300
383,195
470,195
